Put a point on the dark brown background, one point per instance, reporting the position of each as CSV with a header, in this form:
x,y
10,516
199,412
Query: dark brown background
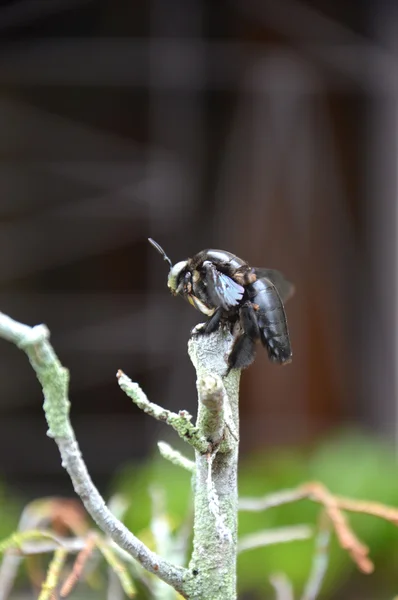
x,y
264,128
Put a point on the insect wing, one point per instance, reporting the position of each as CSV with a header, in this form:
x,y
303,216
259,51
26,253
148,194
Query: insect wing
x,y
285,288
222,290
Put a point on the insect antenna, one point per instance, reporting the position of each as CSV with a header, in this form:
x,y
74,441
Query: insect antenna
x,y
161,251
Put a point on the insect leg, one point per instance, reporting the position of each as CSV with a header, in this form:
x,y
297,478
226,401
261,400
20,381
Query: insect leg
x,y
244,348
212,324
248,320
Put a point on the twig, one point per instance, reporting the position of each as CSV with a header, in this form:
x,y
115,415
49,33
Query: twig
x,y
334,505
183,537
268,537
20,541
347,538
282,586
8,573
54,379
72,545
117,566
115,590
53,575
320,560
78,567
271,500
164,543
175,457
311,492
180,422
160,526
370,508
49,511
118,504
138,572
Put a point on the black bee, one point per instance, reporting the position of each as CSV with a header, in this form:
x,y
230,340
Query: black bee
x,y
226,289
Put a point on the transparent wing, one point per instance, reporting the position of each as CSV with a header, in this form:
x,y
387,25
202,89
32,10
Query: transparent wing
x,y
222,290
285,288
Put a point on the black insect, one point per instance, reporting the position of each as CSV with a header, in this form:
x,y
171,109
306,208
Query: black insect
x,y
251,300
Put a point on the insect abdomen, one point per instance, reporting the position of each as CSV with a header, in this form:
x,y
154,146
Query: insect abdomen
x,y
271,319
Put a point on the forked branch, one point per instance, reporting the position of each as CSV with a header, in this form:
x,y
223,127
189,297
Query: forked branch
x,y
334,506
54,379
214,438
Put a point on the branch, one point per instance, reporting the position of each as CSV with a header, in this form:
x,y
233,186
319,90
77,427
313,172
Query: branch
x,y
163,538
333,505
77,570
212,568
53,574
8,573
116,565
180,422
176,457
39,541
280,535
271,500
320,561
347,538
282,586
54,379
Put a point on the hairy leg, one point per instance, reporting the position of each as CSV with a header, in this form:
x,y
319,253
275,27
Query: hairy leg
x,y
244,348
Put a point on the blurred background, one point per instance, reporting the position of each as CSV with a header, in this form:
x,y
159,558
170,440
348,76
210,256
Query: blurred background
x,y
266,128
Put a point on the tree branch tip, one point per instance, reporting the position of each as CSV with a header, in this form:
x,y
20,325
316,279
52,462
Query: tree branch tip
x,y
175,457
126,382
35,335
185,415
364,564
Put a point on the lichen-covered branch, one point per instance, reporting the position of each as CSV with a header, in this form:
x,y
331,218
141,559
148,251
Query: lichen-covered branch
x,y
215,437
212,568
54,379
180,422
212,397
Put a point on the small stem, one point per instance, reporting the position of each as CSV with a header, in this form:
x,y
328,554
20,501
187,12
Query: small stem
x,y
282,586
321,559
279,535
53,574
272,500
175,457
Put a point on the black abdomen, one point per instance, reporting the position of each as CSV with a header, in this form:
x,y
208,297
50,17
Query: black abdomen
x,y
271,319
